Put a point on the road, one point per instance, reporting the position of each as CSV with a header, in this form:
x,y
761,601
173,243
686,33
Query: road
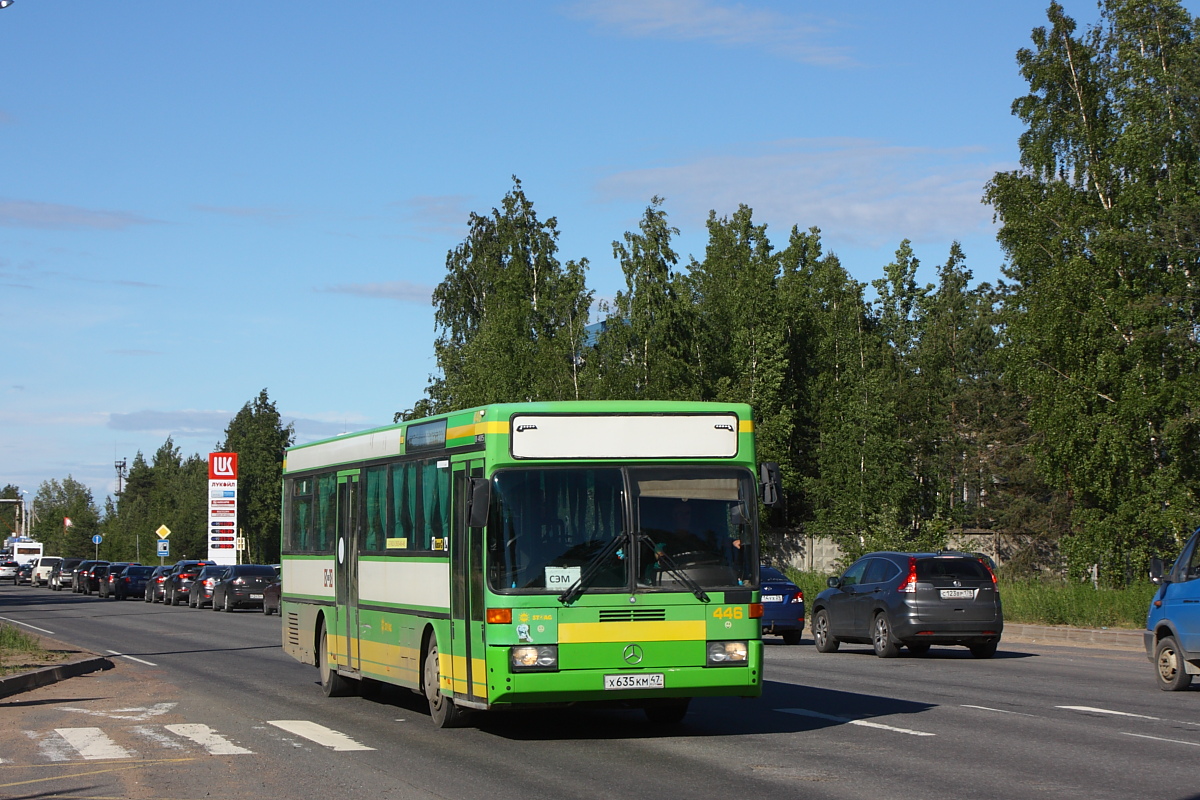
x,y
212,707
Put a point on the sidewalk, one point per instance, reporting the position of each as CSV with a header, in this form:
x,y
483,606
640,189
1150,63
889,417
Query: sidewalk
x,y
1107,638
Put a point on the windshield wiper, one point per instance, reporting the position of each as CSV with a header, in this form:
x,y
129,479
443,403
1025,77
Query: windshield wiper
x,y
674,570
589,572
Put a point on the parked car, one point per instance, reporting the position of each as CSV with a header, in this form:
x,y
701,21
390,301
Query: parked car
x,y
131,582
272,593
61,575
42,568
201,593
24,573
914,600
243,585
8,569
156,584
783,605
83,575
179,582
106,576
1172,635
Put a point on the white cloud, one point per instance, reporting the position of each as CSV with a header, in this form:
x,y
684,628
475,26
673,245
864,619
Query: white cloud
x,y
857,191
439,213
736,25
53,216
403,291
185,422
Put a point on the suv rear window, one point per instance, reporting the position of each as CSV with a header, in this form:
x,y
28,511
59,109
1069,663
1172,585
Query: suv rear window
x,y
931,569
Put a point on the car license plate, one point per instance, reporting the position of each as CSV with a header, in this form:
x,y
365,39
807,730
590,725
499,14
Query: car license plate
x,y
651,681
772,598
957,594
256,597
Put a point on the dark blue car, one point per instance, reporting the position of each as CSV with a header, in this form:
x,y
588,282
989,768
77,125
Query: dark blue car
x,y
130,582
1172,634
783,605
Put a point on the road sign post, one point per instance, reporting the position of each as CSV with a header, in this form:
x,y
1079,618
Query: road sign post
x,y
96,540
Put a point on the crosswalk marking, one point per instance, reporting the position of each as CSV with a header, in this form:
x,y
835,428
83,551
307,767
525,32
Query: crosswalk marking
x,y
92,743
210,740
323,736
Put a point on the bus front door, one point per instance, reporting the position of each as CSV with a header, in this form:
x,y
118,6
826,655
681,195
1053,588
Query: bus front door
x,y
346,580
466,598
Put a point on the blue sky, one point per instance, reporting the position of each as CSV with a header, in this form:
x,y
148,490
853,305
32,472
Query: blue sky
x,y
198,201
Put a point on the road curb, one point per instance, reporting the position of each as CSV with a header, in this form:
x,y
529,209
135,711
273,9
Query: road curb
x,y
24,681
1108,638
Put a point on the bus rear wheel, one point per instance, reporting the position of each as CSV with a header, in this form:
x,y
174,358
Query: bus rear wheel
x,y
441,708
332,684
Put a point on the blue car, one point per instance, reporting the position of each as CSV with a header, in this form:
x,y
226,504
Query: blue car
x,y
1172,635
783,605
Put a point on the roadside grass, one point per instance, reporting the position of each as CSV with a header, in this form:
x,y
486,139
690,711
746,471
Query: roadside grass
x,y
1046,602
22,652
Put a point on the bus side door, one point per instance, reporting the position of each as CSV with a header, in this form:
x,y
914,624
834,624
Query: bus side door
x,y
346,572
466,599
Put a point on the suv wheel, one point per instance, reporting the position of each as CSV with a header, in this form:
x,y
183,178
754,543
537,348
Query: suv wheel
x,y
881,637
825,642
1172,676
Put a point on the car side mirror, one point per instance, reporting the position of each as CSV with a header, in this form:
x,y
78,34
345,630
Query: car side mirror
x,y
834,583
1156,571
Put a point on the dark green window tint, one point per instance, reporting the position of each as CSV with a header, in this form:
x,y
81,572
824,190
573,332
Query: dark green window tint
x,y
375,529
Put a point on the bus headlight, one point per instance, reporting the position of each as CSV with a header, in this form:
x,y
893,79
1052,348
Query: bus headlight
x,y
728,654
534,658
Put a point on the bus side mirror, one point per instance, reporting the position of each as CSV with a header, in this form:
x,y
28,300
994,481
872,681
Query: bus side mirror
x,y
480,500
769,478
1156,571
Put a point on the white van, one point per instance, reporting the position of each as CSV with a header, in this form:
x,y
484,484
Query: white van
x,y
41,570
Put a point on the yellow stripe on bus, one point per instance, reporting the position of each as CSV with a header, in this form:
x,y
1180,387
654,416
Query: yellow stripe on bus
x,y
746,426
582,632
476,428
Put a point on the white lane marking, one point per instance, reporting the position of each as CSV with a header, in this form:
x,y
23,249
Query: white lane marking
x,y
139,714
152,733
1087,709
318,733
804,712
132,658
210,740
27,625
1160,739
1001,711
92,743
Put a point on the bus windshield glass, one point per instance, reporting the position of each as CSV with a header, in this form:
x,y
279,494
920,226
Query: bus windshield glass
x,y
689,525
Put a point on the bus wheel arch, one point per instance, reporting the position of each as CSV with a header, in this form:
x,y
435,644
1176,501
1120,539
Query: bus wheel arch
x,y
442,709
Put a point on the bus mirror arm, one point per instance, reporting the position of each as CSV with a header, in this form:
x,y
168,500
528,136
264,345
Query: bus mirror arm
x,y
480,501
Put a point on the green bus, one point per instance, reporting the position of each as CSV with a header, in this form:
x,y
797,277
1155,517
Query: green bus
x,y
531,554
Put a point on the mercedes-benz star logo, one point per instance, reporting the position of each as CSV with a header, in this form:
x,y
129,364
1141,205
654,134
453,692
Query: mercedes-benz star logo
x,y
633,654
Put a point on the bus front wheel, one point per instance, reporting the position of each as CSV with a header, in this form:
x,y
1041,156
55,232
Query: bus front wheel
x,y
441,708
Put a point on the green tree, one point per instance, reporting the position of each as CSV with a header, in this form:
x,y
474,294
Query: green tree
x,y
66,517
644,350
259,437
10,513
1099,228
510,316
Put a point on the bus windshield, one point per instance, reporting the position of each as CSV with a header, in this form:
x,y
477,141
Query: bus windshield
x,y
680,525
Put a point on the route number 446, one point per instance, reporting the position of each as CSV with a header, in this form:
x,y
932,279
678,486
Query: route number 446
x,y
729,612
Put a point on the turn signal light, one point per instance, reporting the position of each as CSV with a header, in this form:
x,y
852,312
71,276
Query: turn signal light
x,y
756,610
499,616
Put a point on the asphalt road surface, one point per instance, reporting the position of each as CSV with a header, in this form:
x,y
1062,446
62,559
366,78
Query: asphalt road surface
x,y
205,704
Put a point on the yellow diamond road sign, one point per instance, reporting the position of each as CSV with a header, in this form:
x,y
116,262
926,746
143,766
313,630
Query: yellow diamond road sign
x,y
163,531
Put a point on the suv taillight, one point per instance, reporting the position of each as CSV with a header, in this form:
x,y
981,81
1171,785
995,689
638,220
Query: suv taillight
x,y
989,569
910,582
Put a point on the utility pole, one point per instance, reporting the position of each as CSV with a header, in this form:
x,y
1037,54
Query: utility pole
x,y
120,467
